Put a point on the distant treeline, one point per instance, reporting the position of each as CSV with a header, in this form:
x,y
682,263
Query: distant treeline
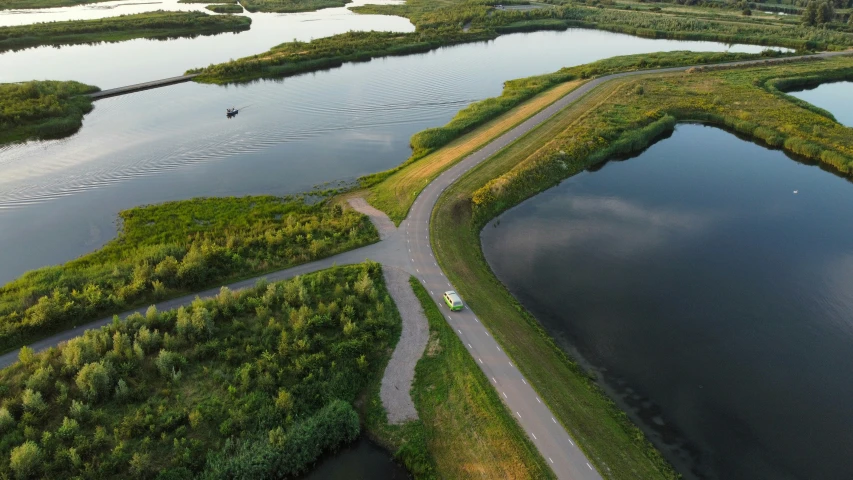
x,y
252,384
159,24
174,248
42,109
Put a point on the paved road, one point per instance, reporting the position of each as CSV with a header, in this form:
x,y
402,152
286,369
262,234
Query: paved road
x,y
409,248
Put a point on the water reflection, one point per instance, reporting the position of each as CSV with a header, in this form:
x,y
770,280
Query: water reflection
x,y
837,98
712,300
362,460
175,142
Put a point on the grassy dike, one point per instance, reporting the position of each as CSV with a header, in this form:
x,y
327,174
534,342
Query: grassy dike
x,y
393,191
621,116
464,429
159,24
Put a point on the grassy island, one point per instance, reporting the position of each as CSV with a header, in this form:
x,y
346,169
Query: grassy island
x,y
449,22
225,8
159,24
42,109
290,6
253,384
21,4
176,248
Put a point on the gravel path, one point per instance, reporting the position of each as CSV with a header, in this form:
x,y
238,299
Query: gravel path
x,y
400,372
381,221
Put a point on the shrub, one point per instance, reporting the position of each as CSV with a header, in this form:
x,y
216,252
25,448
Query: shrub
x,y
93,380
33,402
26,460
169,363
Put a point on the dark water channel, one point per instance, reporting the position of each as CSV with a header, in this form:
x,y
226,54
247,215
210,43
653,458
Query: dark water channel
x,y
361,460
709,284
836,98
59,199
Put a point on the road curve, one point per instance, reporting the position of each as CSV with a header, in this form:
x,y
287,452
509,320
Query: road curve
x,y
409,247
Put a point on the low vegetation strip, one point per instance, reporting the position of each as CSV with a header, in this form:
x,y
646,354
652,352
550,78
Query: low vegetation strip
x,y
619,117
21,4
464,430
287,6
42,109
254,384
159,24
225,8
393,191
176,248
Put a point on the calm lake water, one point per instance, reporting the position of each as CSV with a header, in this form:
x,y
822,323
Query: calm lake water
x,y
836,98
110,65
711,299
361,460
175,142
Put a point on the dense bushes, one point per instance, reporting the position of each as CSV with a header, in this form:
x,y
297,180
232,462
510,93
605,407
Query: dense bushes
x,y
260,391
42,109
159,24
176,247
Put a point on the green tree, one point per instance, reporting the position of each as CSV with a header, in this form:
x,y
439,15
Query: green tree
x,y
33,401
25,460
94,381
169,362
26,356
7,422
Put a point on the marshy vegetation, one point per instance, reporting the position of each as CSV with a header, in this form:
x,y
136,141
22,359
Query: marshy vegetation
x,y
451,22
159,24
225,8
20,4
42,109
288,6
253,384
178,247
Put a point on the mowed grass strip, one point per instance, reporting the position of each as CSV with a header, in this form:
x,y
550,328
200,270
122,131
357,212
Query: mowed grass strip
x,y
591,418
396,194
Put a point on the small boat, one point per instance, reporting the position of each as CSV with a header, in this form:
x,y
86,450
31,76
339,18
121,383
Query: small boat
x,y
230,112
